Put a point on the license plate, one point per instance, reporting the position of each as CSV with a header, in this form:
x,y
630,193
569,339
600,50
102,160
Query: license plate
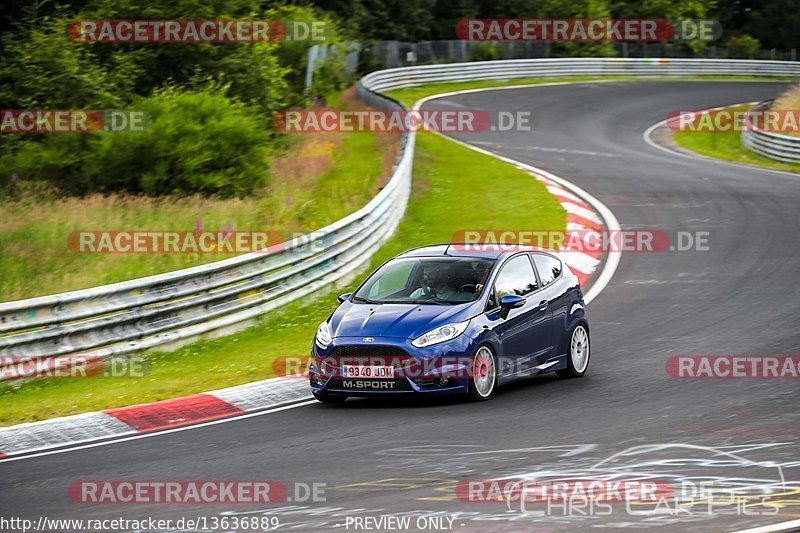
x,y
363,371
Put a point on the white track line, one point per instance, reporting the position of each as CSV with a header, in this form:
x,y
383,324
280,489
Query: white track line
x,y
157,433
612,260
647,136
605,277
599,285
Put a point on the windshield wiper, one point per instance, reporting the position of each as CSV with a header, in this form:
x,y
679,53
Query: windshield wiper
x,y
365,300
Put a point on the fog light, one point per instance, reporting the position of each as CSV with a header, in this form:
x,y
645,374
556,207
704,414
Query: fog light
x,y
443,381
316,379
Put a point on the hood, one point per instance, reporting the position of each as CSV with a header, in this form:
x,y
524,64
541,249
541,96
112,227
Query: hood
x,y
407,321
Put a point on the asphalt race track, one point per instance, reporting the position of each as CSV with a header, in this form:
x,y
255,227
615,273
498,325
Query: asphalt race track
x,y
627,416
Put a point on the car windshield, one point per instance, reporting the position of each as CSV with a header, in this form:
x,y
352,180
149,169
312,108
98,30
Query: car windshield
x,y
426,280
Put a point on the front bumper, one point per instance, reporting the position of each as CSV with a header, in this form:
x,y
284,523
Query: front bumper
x,y
440,369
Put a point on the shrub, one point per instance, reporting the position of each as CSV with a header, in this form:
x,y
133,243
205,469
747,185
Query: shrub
x,y
293,54
43,69
742,47
485,51
250,70
193,142
332,75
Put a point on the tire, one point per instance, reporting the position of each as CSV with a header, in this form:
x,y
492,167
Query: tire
x,y
483,381
327,398
578,353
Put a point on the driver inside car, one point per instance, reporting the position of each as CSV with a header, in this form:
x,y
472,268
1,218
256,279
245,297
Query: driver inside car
x,y
481,274
434,285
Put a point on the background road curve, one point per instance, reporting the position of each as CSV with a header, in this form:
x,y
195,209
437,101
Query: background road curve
x,y
741,297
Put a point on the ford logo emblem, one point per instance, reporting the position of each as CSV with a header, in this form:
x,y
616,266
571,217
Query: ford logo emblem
x,y
368,339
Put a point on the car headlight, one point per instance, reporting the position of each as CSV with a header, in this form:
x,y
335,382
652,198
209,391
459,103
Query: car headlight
x,y
323,338
440,334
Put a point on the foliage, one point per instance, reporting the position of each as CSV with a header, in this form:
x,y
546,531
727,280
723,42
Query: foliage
x,y
250,70
485,51
776,24
192,145
331,75
44,69
742,47
293,54
192,142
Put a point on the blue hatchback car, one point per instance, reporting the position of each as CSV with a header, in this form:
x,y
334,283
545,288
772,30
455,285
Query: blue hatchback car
x,y
447,319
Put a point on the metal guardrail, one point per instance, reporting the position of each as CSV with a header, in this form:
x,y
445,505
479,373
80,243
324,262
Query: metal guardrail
x,y
543,68
773,145
173,307
134,315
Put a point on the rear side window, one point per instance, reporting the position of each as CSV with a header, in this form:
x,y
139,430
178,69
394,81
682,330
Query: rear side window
x,y
549,268
516,277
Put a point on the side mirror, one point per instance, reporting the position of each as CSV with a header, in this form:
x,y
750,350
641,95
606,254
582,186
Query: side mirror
x,y
509,302
512,301
343,297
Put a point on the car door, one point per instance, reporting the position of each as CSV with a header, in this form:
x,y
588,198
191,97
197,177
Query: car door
x,y
524,333
549,269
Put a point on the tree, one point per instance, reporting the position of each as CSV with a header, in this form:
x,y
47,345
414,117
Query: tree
x,y
742,47
777,24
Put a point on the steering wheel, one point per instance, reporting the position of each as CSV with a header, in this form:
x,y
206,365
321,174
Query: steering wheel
x,y
468,287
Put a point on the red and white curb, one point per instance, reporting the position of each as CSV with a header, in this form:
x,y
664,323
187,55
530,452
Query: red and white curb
x,y
582,218
51,434
584,213
113,424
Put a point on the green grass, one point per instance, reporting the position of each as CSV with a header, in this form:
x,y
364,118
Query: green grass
x,y
490,195
34,227
728,146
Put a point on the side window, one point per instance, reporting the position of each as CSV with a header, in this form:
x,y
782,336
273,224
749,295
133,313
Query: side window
x,y
516,277
392,281
549,268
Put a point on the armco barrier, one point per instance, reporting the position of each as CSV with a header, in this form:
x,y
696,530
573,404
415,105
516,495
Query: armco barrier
x,y
177,306
548,68
170,308
773,145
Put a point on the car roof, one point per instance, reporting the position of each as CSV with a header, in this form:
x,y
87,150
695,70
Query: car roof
x,y
487,251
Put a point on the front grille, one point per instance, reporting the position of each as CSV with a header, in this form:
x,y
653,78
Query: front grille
x,y
370,355
363,351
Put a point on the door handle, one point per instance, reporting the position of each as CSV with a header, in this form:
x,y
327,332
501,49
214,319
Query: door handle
x,y
543,305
